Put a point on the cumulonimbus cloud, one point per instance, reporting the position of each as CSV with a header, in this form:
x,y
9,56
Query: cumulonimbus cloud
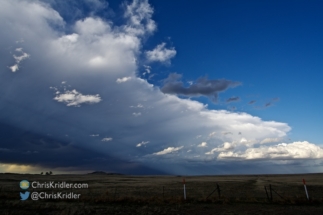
x,y
92,56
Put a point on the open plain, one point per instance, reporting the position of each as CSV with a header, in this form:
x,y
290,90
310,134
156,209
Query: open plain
x,y
124,194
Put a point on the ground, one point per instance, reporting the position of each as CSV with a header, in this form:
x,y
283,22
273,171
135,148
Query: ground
x,y
123,194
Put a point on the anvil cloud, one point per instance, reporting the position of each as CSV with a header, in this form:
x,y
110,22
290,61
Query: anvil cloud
x,y
101,94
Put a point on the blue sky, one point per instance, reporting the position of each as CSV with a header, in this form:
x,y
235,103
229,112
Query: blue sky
x,y
272,47
214,87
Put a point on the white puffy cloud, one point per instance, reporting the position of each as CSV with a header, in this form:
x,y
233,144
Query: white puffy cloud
x,y
160,53
106,139
72,38
137,106
139,15
282,151
124,79
147,69
136,114
14,68
142,143
212,134
89,27
168,150
75,98
225,147
18,59
203,144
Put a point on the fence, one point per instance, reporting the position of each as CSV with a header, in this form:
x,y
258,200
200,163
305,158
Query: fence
x,y
195,190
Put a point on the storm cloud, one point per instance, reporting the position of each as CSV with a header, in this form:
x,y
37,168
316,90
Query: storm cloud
x,y
77,102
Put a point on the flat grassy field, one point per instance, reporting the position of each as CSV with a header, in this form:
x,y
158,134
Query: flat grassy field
x,y
124,194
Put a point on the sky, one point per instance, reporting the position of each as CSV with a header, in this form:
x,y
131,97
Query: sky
x,y
161,87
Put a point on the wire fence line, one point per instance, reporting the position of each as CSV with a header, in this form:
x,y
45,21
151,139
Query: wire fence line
x,y
217,192
239,191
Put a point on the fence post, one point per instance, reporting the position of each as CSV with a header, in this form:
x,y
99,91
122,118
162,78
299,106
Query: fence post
x,y
271,193
212,192
184,189
218,188
308,198
267,193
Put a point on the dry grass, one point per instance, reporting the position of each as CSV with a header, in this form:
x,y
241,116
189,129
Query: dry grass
x,y
110,191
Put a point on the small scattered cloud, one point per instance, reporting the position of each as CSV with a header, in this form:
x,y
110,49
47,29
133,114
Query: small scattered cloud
x,y
75,98
20,41
139,14
142,143
203,144
212,134
18,59
252,102
161,54
168,150
147,69
270,103
233,99
94,135
124,79
225,147
136,114
106,139
137,106
201,87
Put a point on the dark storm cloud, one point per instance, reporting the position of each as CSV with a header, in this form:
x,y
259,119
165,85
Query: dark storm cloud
x,y
22,146
233,99
201,87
